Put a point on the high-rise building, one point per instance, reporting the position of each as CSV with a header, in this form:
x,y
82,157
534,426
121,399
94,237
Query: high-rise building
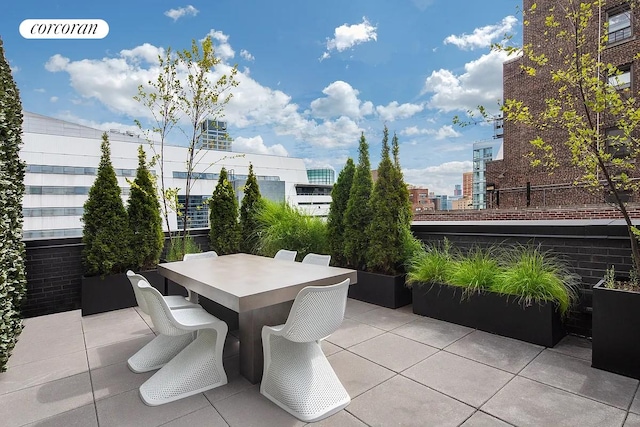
x,y
214,136
516,183
467,185
457,190
482,153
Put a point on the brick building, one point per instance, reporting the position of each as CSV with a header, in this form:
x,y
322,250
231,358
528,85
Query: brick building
x,y
516,183
420,201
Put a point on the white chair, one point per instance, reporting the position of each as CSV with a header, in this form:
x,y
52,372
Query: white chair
x,y
162,348
195,369
297,375
209,254
317,259
286,255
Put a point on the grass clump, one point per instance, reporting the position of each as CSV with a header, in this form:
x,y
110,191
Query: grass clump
x,y
476,272
179,246
434,264
536,276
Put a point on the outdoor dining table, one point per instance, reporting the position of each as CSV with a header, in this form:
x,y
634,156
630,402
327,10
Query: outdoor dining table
x,y
260,289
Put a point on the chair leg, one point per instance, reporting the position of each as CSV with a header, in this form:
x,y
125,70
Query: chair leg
x,y
195,369
158,352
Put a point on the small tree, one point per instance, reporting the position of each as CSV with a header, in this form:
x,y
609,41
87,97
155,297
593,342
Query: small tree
x,y
586,99
12,251
335,220
249,210
224,235
384,251
145,222
358,215
106,233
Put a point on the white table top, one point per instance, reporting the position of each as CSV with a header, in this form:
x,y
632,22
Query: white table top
x,y
243,282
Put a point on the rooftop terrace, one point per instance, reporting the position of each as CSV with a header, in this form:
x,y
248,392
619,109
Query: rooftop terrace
x,y
399,368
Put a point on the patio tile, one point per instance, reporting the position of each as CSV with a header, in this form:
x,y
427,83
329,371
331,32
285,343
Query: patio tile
x,y
46,400
433,332
109,319
27,351
66,323
43,371
236,383
392,351
400,401
385,318
633,420
203,417
574,346
463,379
524,402
342,419
250,408
577,376
329,348
115,379
355,307
356,374
81,417
352,332
127,409
116,352
480,419
635,405
120,331
500,352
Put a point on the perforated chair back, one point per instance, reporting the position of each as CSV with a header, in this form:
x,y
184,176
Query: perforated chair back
x,y
286,255
138,281
208,254
159,312
316,312
317,259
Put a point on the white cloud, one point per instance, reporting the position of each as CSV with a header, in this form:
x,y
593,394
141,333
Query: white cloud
x,y
441,178
394,111
480,84
222,47
176,14
247,55
446,131
53,99
56,63
257,145
422,4
40,90
346,36
483,36
146,52
14,69
341,100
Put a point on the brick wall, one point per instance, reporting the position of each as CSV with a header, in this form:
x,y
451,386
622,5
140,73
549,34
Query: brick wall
x,y
512,174
54,271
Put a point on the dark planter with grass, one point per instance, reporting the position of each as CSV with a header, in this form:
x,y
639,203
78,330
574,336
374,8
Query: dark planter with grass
x,y
380,289
490,312
615,324
108,293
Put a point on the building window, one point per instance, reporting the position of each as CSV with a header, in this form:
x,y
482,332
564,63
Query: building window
x,y
622,80
619,25
617,144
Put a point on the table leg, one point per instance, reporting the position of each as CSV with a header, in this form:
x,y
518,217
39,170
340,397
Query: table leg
x,y
251,323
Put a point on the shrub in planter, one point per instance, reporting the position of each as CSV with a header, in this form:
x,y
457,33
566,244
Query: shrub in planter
x,y
335,219
145,222
224,236
249,210
13,282
282,226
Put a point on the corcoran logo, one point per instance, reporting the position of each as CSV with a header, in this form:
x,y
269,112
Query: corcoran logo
x,y
64,29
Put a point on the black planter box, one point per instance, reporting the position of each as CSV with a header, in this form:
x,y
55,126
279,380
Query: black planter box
x,y
110,293
490,312
615,328
380,289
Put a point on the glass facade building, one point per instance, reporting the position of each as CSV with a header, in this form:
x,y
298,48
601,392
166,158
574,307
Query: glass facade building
x,y
214,135
482,153
326,176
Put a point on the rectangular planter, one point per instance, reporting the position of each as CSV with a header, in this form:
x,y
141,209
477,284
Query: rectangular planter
x,y
538,324
615,325
110,293
380,289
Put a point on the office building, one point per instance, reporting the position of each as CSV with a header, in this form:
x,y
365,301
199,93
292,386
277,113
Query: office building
x,y
214,136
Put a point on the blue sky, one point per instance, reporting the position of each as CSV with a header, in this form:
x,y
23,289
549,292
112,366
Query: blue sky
x,y
313,75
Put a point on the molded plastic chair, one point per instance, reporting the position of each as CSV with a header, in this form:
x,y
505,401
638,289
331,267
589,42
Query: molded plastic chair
x,y
195,369
209,254
297,375
159,351
317,259
286,255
